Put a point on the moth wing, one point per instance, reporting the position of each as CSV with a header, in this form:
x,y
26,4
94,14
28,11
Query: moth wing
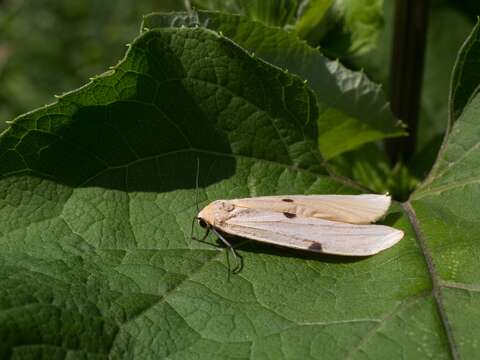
x,y
353,209
319,235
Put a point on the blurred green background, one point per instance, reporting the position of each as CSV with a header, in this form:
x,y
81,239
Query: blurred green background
x,y
48,47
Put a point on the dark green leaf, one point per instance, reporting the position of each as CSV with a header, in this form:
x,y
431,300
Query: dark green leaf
x,y
353,110
97,196
447,208
465,78
269,12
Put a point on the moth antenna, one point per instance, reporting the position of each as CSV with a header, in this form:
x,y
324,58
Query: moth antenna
x,y
236,257
196,184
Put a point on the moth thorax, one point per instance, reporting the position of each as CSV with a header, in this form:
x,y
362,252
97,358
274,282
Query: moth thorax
x,y
217,212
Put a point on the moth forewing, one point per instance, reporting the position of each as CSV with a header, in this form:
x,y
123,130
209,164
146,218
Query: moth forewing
x,y
299,225
353,209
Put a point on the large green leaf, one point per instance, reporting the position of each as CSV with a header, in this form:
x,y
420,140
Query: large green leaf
x,y
444,211
270,12
447,225
353,110
98,194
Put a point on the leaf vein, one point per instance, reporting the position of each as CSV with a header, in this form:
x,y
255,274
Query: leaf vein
x,y
436,285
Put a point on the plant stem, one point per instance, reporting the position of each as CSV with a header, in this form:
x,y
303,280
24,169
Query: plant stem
x,y
406,71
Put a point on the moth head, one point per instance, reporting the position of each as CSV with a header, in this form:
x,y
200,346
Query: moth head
x,y
216,212
202,223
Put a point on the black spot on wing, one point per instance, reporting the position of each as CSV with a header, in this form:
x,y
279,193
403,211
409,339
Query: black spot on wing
x,y
287,200
315,247
289,215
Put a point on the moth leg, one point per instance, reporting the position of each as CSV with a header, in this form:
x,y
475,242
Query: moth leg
x,y
236,257
193,237
238,266
202,240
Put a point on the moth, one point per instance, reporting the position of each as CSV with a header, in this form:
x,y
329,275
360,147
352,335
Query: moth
x,y
328,224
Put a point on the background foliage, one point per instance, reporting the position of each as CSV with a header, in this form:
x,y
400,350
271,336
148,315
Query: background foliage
x,y
49,47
